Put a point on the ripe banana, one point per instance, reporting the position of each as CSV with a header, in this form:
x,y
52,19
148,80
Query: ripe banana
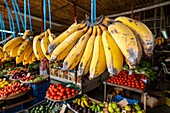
x,y
114,56
23,46
44,45
84,64
37,47
51,36
98,62
24,62
74,27
33,57
1,53
75,55
145,35
67,44
28,52
13,52
126,40
11,44
6,57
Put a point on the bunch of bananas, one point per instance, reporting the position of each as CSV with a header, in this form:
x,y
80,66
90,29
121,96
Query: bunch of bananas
x,y
21,49
97,107
107,44
41,43
83,102
159,41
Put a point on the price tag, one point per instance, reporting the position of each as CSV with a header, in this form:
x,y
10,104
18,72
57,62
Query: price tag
x,y
63,108
122,103
28,74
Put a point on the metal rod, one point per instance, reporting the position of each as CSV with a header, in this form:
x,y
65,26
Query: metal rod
x,y
141,9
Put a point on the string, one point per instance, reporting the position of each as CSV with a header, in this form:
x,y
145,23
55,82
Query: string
x,y
29,13
49,10
25,14
44,15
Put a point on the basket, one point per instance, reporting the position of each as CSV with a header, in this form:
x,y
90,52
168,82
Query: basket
x,y
35,82
15,95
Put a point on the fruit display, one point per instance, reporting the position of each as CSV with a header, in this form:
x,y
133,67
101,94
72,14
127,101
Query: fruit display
x,y
106,44
134,80
18,75
21,49
58,92
13,89
33,79
3,83
46,107
13,71
159,41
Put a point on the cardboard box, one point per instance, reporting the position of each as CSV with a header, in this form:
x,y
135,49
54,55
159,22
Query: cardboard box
x,y
156,99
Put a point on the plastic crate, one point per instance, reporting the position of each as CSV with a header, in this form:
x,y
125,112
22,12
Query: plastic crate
x,y
14,109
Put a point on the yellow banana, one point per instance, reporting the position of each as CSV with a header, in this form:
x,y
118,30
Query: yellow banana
x,y
44,45
74,27
28,53
82,104
11,44
34,58
21,49
24,62
145,35
114,56
98,62
51,36
126,40
37,47
74,56
13,52
1,53
67,44
84,64
6,56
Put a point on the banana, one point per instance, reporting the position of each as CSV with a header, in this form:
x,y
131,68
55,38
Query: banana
x,y
98,62
1,53
84,64
44,45
114,56
78,101
6,56
85,102
11,44
33,58
28,53
74,27
82,104
20,58
23,46
74,56
51,36
126,40
67,45
145,35
24,62
37,47
13,52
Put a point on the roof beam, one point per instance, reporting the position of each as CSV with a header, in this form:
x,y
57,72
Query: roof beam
x,y
141,9
79,7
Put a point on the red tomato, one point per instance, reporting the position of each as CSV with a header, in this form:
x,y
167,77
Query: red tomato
x,y
76,91
58,93
67,89
59,98
65,96
73,90
68,92
62,90
69,96
61,94
73,94
53,94
51,97
55,98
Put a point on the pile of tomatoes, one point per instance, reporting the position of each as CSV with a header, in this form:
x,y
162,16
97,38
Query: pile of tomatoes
x,y
60,92
134,80
27,78
12,89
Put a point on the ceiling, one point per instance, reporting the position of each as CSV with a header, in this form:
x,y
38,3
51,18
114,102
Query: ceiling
x,y
63,11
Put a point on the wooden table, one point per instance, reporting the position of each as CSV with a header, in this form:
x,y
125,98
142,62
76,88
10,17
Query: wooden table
x,y
145,91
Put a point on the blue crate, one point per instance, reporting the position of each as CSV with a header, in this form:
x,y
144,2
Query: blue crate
x,y
14,109
38,89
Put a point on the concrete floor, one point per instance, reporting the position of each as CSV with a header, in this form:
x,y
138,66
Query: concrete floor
x,y
98,94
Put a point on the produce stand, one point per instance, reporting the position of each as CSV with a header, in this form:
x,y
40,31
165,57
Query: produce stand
x,y
145,91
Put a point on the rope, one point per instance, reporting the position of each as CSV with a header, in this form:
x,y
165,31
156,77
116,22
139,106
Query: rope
x,y
25,14
16,16
44,15
2,28
93,11
11,21
49,10
18,10
29,12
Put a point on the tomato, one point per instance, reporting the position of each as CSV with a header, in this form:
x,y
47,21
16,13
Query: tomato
x,y
65,96
73,94
55,98
76,91
48,95
55,90
62,90
67,89
69,96
59,98
68,92
58,93
60,87
61,94
51,96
